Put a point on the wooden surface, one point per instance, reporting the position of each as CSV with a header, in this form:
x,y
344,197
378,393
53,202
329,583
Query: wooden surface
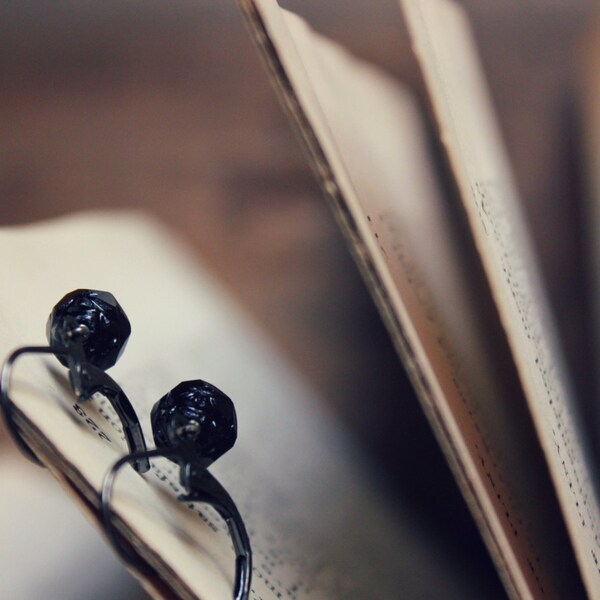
x,y
137,105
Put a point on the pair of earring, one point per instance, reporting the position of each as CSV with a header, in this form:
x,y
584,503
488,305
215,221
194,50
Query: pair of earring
x,y
193,424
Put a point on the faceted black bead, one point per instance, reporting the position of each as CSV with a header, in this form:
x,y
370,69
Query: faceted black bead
x,y
197,419
105,330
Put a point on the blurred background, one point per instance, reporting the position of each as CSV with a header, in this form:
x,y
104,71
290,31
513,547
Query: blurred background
x,y
165,106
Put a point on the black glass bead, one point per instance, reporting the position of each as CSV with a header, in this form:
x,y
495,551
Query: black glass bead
x,y
98,321
196,418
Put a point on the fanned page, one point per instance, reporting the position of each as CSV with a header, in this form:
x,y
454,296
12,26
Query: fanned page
x,y
363,133
318,527
445,50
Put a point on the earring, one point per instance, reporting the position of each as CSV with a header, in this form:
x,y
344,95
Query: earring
x,y
87,331
193,425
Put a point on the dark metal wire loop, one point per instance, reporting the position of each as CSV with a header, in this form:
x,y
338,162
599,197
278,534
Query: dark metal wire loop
x,y
86,380
206,489
87,377
8,405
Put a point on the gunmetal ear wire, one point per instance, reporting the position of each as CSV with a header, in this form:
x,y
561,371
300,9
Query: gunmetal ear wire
x,y
87,331
193,425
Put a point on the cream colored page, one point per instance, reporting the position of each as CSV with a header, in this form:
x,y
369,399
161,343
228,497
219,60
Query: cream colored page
x,y
308,500
446,52
372,142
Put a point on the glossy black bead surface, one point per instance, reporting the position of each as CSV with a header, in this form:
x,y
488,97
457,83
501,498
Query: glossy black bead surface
x,y
93,318
195,418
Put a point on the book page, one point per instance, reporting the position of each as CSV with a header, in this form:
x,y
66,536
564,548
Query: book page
x,y
318,526
445,50
364,135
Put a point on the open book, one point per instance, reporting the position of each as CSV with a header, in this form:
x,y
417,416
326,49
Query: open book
x,y
310,502
458,285
457,282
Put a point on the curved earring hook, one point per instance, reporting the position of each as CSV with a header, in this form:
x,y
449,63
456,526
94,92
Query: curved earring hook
x,y
7,404
202,487
89,381
107,487
94,380
205,488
